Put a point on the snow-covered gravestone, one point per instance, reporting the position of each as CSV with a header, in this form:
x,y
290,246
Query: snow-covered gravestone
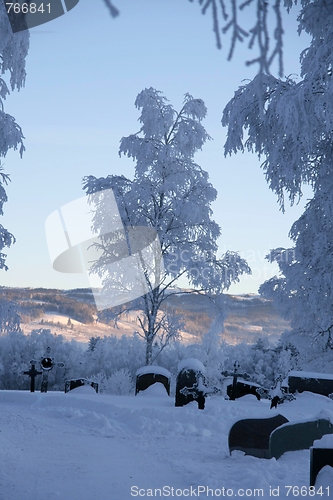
x,y
149,375
47,363
72,384
191,384
252,435
319,383
321,455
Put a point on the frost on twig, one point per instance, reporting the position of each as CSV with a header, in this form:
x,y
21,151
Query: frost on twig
x,y
265,35
112,9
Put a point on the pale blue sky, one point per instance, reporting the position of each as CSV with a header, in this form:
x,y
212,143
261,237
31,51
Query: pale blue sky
x,y
84,71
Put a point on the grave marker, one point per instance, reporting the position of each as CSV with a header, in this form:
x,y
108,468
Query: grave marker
x,y
319,383
191,383
47,363
79,382
233,392
253,435
299,436
32,373
149,375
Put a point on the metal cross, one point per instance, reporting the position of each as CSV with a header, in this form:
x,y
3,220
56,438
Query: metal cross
x,y
47,363
234,376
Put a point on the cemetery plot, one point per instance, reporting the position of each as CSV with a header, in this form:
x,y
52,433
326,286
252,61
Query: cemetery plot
x,y
253,435
319,383
149,375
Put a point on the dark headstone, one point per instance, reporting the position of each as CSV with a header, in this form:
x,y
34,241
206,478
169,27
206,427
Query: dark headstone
x,y
298,436
252,435
147,379
319,457
190,386
242,389
317,383
78,382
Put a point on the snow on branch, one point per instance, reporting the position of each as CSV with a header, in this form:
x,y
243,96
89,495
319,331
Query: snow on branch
x,y
267,36
112,9
269,40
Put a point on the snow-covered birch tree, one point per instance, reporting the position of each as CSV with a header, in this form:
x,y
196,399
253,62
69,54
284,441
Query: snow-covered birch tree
x,y
172,195
290,124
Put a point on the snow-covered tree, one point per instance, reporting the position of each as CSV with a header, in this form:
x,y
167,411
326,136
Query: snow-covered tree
x,y
304,290
10,319
172,195
13,51
289,123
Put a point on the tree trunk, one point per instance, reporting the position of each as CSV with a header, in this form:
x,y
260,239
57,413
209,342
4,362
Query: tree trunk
x,y
149,350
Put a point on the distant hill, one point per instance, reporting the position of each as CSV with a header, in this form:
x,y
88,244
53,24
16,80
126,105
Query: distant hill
x,y
73,313
248,317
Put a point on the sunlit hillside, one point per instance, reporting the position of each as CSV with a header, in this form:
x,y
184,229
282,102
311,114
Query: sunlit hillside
x,y
72,313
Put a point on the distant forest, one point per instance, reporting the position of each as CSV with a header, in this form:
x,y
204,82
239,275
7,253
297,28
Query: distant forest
x,y
35,302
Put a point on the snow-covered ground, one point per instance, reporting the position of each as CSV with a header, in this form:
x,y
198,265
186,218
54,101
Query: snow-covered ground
x,y
57,324
87,446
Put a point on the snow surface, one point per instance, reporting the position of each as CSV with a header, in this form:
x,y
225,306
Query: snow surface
x,y
191,364
325,478
325,376
153,369
84,446
325,442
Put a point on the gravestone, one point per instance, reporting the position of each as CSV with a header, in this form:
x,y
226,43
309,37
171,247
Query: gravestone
x,y
149,375
319,383
78,382
321,455
299,436
242,388
232,390
47,363
253,435
191,384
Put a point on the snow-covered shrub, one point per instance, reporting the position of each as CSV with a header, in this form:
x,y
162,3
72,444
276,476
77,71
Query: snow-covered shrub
x,y
120,383
111,354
